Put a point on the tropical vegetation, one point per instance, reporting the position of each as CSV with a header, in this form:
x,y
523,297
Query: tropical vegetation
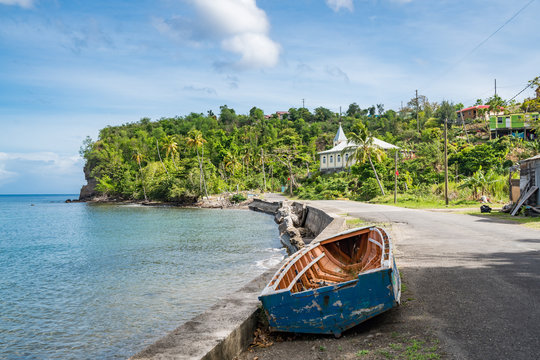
x,y
184,158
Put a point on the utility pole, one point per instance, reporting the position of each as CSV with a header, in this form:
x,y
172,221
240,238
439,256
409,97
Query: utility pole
x,y
417,122
264,175
495,87
446,161
464,128
395,180
303,103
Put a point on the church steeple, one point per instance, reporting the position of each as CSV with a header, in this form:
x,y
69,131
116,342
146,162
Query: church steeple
x,y
340,136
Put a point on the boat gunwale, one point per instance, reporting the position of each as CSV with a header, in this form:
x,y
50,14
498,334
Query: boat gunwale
x,y
326,288
385,264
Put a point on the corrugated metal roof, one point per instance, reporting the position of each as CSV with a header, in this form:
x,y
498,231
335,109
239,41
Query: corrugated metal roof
x,y
477,107
534,158
377,142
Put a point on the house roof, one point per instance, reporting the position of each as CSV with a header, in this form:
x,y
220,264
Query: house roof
x,y
476,107
342,145
340,136
534,158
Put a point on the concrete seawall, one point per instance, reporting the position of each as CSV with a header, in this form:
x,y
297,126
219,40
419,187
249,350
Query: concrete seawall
x,y
322,224
226,329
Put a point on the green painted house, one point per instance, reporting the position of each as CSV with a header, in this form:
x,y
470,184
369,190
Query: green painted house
x,y
513,124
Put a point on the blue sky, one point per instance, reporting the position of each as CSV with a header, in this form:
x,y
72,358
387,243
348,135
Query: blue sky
x,y
69,68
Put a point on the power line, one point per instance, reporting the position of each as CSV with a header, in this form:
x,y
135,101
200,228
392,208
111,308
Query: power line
x,y
486,39
495,32
526,87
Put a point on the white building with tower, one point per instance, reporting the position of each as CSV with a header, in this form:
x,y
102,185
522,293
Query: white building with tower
x,y
335,160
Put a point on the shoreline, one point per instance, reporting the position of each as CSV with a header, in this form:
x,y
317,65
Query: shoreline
x,y
201,204
226,329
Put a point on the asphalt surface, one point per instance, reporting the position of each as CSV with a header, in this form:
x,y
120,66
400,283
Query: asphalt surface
x,y
478,279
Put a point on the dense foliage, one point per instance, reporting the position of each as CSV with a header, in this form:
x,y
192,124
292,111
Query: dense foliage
x,y
183,158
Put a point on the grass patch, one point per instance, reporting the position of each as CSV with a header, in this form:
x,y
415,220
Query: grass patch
x,y
428,202
407,349
362,353
354,223
528,221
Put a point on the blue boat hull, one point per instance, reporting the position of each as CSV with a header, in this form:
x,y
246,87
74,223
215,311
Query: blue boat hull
x,y
334,309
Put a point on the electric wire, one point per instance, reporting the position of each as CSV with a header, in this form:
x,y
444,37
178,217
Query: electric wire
x,y
482,42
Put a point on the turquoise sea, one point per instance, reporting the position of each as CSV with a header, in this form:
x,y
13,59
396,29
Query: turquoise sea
x,y
81,281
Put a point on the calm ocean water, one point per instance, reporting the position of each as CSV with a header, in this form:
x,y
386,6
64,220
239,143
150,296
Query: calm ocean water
x,y
82,281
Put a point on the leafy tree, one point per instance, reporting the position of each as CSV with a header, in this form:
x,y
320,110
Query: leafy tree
x,y
446,111
364,149
171,148
353,110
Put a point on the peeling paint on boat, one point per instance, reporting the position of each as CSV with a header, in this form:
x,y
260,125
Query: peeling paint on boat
x,y
336,307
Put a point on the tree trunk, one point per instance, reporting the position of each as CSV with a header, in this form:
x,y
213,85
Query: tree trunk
x,y
142,182
376,176
174,162
159,155
202,172
264,174
488,125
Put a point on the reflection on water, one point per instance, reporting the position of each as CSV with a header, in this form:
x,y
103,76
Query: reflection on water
x,y
103,281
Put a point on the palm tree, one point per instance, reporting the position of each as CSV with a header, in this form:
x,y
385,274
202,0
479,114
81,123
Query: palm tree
x,y
159,156
171,148
196,140
361,148
139,157
246,158
231,163
480,181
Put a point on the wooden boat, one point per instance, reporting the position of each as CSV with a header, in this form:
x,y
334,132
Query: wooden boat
x,y
335,284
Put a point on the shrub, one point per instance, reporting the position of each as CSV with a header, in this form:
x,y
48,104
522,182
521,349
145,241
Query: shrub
x,y
237,198
369,189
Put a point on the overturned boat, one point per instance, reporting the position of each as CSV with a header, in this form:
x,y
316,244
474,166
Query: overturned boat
x,y
334,284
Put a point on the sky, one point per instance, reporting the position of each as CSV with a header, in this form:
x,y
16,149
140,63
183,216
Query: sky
x,y
69,68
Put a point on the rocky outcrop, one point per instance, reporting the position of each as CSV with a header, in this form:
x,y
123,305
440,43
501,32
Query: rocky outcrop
x,y
88,191
291,218
265,206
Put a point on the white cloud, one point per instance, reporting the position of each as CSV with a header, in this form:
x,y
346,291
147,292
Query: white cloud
x,y
22,3
336,72
256,50
40,172
233,17
38,162
240,26
337,5
6,176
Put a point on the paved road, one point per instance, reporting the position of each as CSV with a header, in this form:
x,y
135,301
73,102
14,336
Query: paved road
x,y
478,279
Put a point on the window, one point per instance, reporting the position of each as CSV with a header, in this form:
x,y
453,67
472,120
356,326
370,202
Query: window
x,y
339,158
346,157
324,159
331,159
499,120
